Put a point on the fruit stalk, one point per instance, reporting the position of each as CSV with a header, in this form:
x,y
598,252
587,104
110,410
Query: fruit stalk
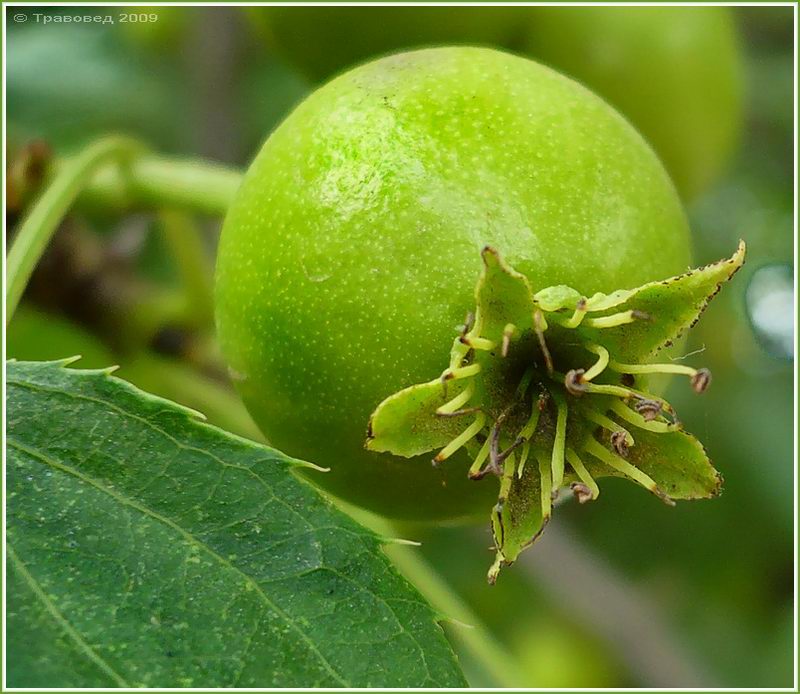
x,y
42,221
114,174
157,181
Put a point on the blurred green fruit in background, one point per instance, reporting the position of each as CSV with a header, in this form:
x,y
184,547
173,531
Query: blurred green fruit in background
x,y
675,72
323,41
160,28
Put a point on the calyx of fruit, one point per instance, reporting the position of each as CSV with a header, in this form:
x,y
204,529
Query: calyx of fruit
x,y
547,390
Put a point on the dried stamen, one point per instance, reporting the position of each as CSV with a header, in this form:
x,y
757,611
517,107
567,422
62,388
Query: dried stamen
x,y
649,409
665,406
461,372
700,378
620,465
494,446
463,438
557,458
610,424
539,326
475,472
616,319
460,413
580,469
620,443
638,420
496,457
581,491
574,382
547,485
601,363
577,316
454,405
480,343
469,323
508,333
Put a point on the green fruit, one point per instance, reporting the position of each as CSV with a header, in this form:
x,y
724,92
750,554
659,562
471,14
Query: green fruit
x,y
322,41
154,28
675,72
351,253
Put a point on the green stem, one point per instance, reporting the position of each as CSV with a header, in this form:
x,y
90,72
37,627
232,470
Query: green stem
x,y
42,221
185,243
156,181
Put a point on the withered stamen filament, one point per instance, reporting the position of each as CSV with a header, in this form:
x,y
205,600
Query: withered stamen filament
x,y
508,476
508,333
616,319
458,401
533,421
463,438
574,382
475,469
607,423
480,343
584,475
539,326
523,458
700,378
469,323
557,458
620,443
577,316
638,420
459,413
601,363
619,464
547,485
461,372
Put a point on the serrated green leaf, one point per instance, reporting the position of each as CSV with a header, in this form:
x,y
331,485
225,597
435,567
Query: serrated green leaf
x,y
146,548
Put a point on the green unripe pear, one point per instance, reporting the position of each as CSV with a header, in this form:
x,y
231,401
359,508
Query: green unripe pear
x,y
322,41
350,255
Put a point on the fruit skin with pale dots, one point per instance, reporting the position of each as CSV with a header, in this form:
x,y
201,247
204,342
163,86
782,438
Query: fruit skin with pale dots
x,y
350,256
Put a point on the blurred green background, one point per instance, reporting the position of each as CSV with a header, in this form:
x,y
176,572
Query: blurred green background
x,y
624,592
